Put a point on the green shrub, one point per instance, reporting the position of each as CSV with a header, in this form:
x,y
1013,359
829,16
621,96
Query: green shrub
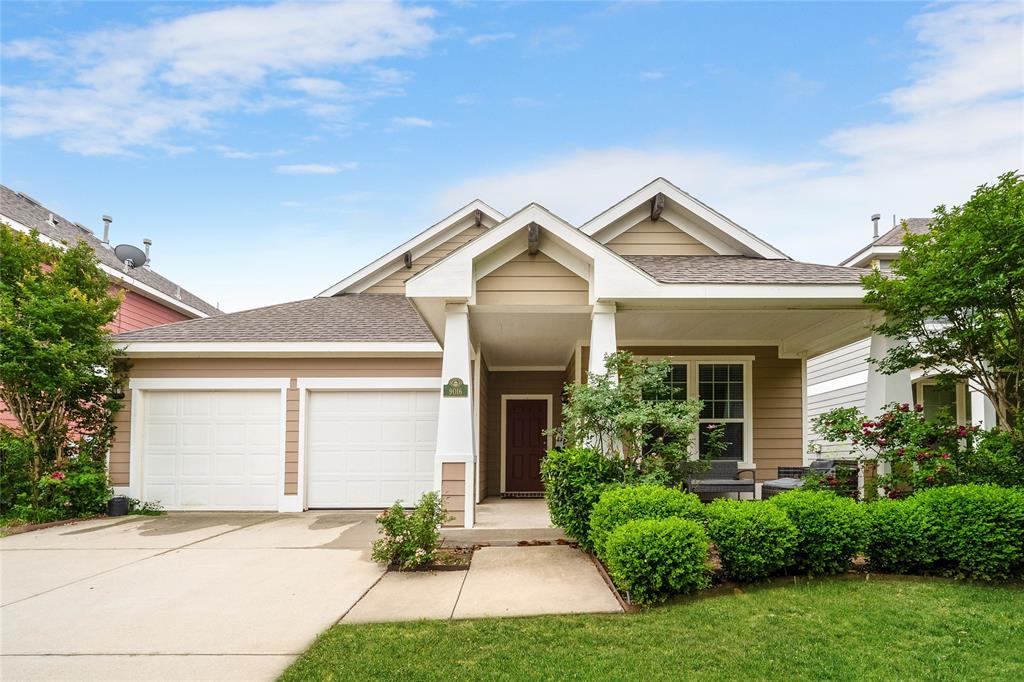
x,y
15,471
79,488
619,505
900,537
755,540
573,482
998,459
831,529
653,558
410,539
979,530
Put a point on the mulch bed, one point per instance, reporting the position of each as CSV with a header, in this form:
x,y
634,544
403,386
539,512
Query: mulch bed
x,y
29,527
454,559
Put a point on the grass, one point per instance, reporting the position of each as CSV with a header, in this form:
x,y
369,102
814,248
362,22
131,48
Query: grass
x,y
848,628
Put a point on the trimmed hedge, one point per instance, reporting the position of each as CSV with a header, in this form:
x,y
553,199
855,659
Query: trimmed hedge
x,y
653,558
901,536
620,505
831,530
754,540
979,530
573,481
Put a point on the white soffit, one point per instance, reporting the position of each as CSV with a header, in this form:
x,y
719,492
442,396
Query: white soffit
x,y
741,240
425,241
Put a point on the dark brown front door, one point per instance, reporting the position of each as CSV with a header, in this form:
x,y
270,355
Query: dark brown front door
x,y
525,444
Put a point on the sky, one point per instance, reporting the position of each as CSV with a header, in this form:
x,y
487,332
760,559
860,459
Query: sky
x,y
270,149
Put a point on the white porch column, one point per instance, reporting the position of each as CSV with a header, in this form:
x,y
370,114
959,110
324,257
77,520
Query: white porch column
x,y
455,412
983,412
883,389
602,336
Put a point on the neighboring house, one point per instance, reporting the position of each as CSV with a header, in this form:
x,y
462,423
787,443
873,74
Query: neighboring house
x,y
149,298
840,378
440,364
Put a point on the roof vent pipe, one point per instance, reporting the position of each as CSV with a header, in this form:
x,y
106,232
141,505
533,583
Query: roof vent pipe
x,y
148,242
106,228
874,220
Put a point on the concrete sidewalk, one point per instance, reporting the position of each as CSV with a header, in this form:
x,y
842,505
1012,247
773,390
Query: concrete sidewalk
x,y
501,581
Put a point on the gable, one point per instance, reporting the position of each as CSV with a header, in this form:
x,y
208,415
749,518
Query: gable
x,y
658,238
532,280
394,283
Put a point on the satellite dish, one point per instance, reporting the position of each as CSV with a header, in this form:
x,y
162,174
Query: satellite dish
x,y
131,256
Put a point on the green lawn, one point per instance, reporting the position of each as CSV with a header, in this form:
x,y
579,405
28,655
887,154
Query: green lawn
x,y
832,629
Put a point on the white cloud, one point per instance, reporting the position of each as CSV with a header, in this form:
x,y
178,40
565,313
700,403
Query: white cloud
x,y
652,75
412,122
325,88
818,208
484,38
231,153
131,88
314,168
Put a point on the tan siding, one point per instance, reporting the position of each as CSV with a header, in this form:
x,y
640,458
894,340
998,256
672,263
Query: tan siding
x,y
484,423
293,368
777,401
657,238
532,280
395,283
515,383
453,491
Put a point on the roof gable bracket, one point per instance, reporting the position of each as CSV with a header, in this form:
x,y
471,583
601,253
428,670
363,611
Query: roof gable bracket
x,y
533,238
657,206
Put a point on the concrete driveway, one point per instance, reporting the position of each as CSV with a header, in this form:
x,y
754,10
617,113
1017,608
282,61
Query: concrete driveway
x,y
185,596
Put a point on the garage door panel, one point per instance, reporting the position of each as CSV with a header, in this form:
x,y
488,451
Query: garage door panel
x,y
212,449
369,448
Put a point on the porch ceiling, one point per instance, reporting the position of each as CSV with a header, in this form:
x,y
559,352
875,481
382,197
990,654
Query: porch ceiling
x,y
528,339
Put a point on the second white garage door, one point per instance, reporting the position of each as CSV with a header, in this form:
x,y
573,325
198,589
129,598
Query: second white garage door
x,y
366,449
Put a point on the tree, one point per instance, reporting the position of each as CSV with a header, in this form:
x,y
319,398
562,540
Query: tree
x,y
56,358
955,297
631,415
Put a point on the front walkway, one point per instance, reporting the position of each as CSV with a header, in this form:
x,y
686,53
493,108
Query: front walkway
x,y
185,596
506,522
501,581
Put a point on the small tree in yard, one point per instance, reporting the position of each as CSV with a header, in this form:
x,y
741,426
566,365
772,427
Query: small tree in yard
x,y
56,357
631,415
956,297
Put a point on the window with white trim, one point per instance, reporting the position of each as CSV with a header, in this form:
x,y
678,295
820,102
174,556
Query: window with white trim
x,y
724,387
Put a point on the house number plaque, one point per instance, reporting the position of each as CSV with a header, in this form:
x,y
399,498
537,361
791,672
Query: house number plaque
x,y
455,388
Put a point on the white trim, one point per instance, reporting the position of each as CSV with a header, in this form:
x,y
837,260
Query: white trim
x,y
266,349
412,244
208,384
303,485
751,242
868,252
505,397
125,278
284,502
839,382
370,384
803,408
477,362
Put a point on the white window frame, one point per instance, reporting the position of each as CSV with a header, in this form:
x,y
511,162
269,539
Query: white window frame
x,y
692,393
962,397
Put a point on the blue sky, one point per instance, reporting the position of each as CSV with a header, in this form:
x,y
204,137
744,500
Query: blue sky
x,y
269,149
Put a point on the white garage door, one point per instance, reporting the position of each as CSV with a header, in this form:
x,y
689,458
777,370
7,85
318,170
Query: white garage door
x,y
370,448
211,449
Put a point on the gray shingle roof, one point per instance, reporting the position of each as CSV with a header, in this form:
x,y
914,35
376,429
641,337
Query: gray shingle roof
x,y
742,270
32,214
894,237
348,317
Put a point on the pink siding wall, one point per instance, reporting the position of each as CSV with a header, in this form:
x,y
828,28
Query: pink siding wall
x,y
137,312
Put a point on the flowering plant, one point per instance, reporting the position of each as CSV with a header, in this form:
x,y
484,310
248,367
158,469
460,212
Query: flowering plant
x,y
921,452
410,539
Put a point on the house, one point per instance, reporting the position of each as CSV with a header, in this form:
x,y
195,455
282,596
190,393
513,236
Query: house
x,y
149,298
839,378
440,364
